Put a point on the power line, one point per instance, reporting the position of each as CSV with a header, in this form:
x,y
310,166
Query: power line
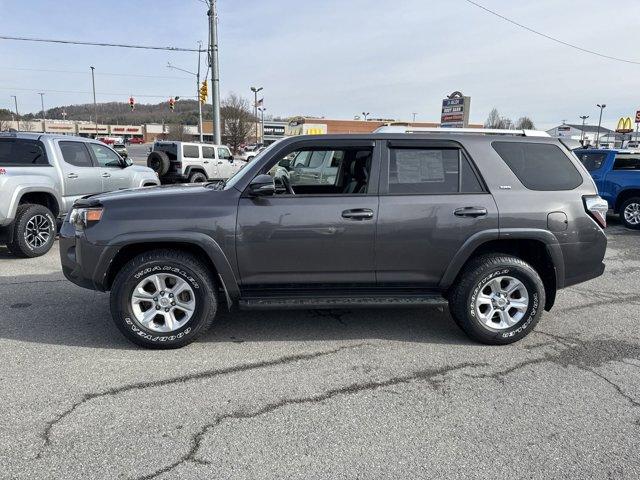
x,y
549,37
88,92
99,44
97,73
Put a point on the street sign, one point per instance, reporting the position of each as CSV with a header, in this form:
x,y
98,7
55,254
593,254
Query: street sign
x,y
638,116
455,111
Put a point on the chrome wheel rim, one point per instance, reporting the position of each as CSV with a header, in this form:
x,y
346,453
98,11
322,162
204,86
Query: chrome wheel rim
x,y
502,303
632,213
163,302
37,232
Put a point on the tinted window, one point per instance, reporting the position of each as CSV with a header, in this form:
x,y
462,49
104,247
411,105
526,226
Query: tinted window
x,y
430,171
190,151
208,152
17,151
591,161
627,162
75,153
317,158
105,156
539,166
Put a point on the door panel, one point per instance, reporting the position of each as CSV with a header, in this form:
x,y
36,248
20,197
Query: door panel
x,y
79,174
418,235
210,162
306,239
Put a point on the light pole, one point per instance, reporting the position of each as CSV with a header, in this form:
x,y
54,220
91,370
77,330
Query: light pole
x,y
365,115
601,107
197,75
95,105
262,109
414,116
584,119
215,71
255,91
44,120
15,99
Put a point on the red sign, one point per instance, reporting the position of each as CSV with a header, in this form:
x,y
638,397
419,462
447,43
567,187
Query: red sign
x,y
2,171
638,116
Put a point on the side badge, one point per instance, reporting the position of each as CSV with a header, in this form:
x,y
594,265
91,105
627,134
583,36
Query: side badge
x,y
505,187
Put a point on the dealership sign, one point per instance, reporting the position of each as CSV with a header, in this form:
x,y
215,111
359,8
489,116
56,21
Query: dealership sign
x,y
455,111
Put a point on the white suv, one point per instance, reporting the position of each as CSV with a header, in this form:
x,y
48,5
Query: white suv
x,y
177,162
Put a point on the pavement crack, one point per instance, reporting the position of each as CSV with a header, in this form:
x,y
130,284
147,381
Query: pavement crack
x,y
618,388
47,432
429,375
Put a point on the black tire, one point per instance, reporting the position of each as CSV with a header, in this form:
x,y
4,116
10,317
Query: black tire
x,y
197,177
631,201
177,263
158,162
24,245
475,278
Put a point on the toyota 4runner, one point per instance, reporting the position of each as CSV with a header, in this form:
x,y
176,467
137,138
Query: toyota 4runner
x,y
42,175
492,222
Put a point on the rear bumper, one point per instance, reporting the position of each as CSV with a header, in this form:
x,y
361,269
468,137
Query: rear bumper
x,y
584,260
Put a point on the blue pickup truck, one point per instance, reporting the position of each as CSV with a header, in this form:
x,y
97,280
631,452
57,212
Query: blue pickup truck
x,y
617,176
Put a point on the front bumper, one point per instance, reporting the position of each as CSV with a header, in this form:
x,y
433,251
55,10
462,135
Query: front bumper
x,y
83,262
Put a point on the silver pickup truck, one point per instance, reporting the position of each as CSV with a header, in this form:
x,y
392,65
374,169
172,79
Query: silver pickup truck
x,y
42,175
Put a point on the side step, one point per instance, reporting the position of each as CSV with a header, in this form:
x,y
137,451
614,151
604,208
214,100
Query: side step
x,y
312,302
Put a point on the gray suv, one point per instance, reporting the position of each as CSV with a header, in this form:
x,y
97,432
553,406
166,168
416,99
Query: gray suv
x,y
42,175
494,223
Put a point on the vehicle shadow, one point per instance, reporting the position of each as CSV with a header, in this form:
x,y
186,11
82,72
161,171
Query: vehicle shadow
x,y
51,310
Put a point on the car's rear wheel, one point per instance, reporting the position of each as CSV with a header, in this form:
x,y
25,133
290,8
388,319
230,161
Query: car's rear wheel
x,y
498,299
197,177
163,299
630,213
34,231
158,162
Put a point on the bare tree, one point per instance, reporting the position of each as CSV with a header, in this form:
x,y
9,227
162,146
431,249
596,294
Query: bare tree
x,y
525,123
237,120
494,120
5,118
178,132
25,126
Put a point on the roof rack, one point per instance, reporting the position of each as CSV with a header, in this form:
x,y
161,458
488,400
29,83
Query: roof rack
x,y
486,131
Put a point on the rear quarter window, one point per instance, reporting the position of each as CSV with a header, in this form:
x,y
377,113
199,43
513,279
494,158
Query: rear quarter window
x,y
591,161
627,162
539,166
21,152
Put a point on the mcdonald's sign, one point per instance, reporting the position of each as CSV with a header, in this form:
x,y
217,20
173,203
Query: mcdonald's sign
x,y
624,125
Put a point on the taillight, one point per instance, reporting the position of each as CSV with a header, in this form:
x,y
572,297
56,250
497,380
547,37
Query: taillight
x,y
597,208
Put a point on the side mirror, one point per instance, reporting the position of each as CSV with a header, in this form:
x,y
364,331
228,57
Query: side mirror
x,y
127,162
231,158
262,186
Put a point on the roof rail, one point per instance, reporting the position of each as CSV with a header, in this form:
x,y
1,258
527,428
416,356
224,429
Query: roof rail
x,y
486,131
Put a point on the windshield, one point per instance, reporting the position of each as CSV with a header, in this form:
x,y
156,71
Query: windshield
x,y
230,183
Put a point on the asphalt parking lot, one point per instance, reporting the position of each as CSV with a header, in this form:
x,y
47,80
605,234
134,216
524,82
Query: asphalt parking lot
x,y
336,394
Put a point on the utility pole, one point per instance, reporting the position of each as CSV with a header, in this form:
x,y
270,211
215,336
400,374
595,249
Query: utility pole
x,y
255,91
95,105
44,120
262,109
584,119
215,71
414,116
601,107
15,99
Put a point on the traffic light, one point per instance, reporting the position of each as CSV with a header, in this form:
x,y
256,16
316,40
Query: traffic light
x,y
172,103
204,91
132,103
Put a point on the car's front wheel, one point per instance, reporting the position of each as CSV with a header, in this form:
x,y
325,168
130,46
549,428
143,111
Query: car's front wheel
x,y
163,299
630,213
498,299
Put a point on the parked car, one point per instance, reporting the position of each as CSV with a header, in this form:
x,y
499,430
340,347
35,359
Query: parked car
x,y
135,140
42,175
617,176
494,224
120,149
178,162
251,153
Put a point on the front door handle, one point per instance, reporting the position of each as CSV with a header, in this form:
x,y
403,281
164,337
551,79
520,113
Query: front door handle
x,y
72,175
106,175
358,214
470,212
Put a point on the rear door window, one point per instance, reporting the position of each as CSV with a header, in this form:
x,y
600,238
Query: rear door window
x,y
208,152
76,154
190,151
22,152
591,161
539,166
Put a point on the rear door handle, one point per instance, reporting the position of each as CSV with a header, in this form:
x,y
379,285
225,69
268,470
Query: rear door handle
x,y
358,214
106,175
72,175
470,212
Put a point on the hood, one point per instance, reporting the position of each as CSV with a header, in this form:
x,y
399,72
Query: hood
x,y
145,194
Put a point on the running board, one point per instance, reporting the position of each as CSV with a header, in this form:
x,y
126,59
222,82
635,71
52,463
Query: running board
x,y
297,302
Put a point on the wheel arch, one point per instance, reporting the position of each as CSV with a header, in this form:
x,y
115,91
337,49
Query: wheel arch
x,y
539,248
625,195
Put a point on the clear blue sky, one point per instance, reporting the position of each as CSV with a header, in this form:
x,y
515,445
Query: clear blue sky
x,y
335,58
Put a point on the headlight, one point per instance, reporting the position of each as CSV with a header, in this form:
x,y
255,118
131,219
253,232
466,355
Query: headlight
x,y
83,217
